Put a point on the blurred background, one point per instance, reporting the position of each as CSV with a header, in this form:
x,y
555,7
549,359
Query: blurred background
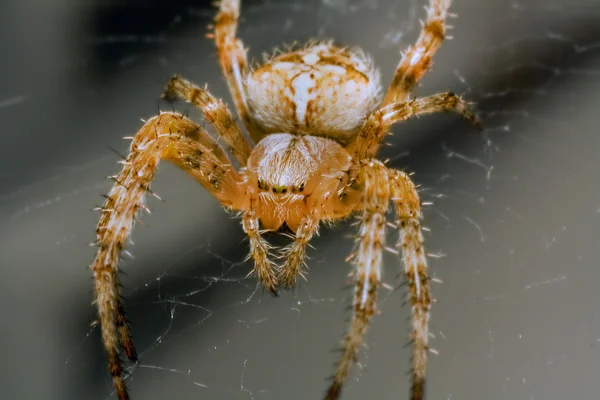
x,y
515,219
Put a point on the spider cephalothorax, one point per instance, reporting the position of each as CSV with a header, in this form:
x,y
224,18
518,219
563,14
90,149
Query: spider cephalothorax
x,y
315,123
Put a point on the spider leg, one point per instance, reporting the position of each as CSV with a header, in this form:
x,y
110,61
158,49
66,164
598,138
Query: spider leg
x,y
367,274
408,214
417,59
264,268
233,59
168,136
122,324
216,112
294,254
378,123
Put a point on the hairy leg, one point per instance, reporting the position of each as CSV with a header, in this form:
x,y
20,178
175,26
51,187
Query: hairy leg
x,y
417,59
367,273
167,136
233,59
264,268
408,214
295,253
378,123
215,112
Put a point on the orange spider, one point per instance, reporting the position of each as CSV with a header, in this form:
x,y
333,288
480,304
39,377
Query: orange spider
x,y
316,122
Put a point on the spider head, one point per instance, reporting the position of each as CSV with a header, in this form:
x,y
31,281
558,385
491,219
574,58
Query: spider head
x,y
291,172
287,165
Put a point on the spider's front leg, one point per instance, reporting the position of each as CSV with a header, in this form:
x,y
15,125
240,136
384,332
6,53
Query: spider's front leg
x,y
367,262
417,59
168,136
408,216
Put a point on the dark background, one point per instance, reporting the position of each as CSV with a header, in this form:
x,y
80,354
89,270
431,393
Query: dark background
x,y
515,215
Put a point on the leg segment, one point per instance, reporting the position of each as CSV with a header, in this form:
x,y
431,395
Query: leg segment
x,y
408,214
378,123
417,59
233,60
264,268
216,112
367,273
168,136
294,254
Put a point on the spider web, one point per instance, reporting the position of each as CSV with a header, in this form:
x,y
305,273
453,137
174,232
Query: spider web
x,y
515,214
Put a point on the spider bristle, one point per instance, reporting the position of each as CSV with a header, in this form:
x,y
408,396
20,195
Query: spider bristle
x,y
155,195
402,284
145,208
103,209
128,254
392,225
350,257
117,153
392,250
436,255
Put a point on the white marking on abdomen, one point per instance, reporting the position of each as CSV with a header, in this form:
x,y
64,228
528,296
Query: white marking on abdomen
x,y
302,83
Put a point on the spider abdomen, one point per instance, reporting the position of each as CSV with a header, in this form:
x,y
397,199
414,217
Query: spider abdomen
x,y
319,90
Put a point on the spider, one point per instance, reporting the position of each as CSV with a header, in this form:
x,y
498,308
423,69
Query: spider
x,y
315,120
